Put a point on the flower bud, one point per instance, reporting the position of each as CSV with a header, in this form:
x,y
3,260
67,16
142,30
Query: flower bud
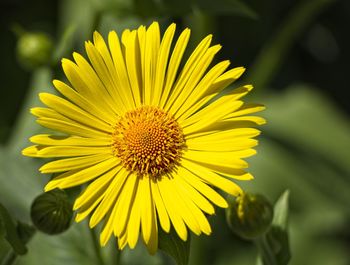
x,y
34,49
51,212
249,215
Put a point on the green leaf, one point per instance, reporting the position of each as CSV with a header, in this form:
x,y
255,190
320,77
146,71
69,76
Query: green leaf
x,y
171,244
313,141
277,236
281,210
309,122
11,234
274,245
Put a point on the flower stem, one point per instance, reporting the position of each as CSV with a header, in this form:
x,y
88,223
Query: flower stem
x,y
265,251
97,247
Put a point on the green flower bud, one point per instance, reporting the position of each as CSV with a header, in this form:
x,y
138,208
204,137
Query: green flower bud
x,y
34,49
249,215
51,212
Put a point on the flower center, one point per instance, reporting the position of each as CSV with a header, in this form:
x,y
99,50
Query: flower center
x,y
148,141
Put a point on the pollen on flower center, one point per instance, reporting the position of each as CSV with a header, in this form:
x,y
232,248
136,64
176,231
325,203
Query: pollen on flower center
x,y
149,141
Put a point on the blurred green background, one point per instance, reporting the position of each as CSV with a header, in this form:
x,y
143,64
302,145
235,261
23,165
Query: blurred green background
x,y
296,54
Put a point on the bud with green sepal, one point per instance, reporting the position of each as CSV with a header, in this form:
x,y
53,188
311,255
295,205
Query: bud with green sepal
x,y
51,212
249,215
34,49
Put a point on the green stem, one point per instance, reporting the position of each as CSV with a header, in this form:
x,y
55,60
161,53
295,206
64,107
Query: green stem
x,y
265,251
97,247
273,53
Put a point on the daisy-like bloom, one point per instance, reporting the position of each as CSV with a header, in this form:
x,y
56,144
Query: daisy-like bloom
x,y
149,142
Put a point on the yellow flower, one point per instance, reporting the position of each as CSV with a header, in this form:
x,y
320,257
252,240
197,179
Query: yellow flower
x,y
151,141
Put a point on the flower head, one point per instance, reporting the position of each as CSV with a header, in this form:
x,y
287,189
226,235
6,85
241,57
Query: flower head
x,y
150,141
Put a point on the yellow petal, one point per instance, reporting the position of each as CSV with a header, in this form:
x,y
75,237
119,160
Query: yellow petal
x,y
48,139
48,113
180,206
210,114
194,108
172,209
99,78
228,145
87,105
84,80
96,188
146,208
69,151
225,80
193,209
162,62
31,151
126,197
150,61
232,173
133,63
194,195
194,92
72,112
247,109
161,209
152,244
123,240
254,119
203,188
73,163
120,85
186,72
219,158
174,63
133,227
86,209
182,90
77,177
71,127
128,90
212,178
107,230
111,195
221,135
